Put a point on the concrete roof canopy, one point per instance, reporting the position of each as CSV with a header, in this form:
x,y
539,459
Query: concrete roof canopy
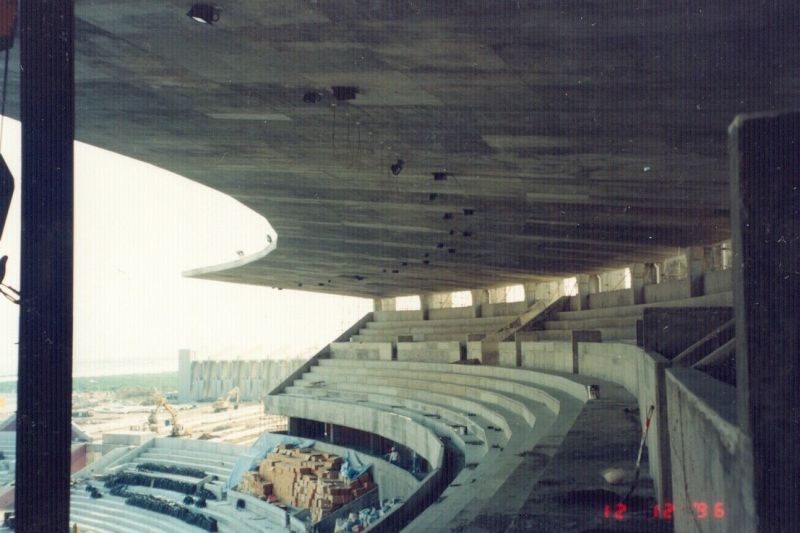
x,y
569,136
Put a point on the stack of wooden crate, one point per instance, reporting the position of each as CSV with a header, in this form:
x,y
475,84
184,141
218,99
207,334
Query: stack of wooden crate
x,y
306,479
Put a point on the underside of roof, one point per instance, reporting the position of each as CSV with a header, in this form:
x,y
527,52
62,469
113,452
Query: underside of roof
x,y
536,139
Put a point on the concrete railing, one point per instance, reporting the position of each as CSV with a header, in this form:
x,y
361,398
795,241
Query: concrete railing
x,y
389,426
711,457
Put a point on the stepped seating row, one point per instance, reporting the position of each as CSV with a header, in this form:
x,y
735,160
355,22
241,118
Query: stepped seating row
x,y
453,329
614,323
503,412
213,463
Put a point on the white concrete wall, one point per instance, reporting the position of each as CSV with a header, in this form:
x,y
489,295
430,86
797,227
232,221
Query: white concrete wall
x,y
375,351
710,456
431,352
555,356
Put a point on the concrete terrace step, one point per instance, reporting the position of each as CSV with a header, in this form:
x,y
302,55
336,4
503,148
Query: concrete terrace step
x,y
542,380
593,323
606,334
116,516
501,401
528,391
722,299
219,471
451,322
432,329
436,337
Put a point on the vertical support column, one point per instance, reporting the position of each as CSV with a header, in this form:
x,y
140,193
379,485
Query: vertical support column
x,y
45,339
479,297
695,267
384,304
765,225
530,293
642,274
587,284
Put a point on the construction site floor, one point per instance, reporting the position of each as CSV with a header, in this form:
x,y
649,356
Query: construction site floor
x,y
566,492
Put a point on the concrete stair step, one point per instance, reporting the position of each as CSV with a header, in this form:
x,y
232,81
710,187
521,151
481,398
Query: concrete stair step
x,y
452,322
593,323
722,299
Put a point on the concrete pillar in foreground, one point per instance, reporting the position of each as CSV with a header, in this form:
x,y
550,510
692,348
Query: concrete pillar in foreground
x,y
47,109
696,267
765,228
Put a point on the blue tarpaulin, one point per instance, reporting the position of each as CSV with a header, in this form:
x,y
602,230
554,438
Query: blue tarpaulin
x,y
352,467
260,448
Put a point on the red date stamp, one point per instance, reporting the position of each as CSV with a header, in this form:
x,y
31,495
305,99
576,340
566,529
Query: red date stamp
x,y
700,509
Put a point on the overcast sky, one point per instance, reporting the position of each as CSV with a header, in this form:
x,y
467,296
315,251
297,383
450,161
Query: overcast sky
x,y
137,227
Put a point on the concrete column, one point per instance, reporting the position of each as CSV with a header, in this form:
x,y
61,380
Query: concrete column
x,y
383,304
642,274
530,292
479,298
497,295
184,375
587,284
696,266
437,300
44,393
765,195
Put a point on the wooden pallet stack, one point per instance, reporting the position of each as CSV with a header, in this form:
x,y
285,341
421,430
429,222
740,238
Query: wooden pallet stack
x,y
306,479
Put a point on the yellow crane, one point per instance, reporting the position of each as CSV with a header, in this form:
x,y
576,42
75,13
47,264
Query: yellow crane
x,y
161,403
223,403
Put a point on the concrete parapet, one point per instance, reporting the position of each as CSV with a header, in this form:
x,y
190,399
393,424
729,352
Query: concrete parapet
x,y
388,425
556,356
452,312
667,291
433,352
507,354
503,309
711,457
397,316
717,281
378,351
619,298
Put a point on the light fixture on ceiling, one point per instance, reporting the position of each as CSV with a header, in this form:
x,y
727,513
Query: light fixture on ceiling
x,y
397,167
344,92
440,176
204,13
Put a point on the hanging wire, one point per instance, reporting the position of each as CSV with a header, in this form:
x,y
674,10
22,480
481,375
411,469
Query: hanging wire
x,y
3,103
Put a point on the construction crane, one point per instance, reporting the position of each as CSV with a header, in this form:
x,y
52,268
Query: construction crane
x,y
223,403
161,403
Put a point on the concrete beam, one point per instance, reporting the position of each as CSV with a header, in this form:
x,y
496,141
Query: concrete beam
x,y
765,195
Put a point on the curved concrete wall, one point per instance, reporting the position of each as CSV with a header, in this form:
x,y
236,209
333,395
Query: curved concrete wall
x,y
388,425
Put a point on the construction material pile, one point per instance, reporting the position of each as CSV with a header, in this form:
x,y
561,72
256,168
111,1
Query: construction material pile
x,y
305,478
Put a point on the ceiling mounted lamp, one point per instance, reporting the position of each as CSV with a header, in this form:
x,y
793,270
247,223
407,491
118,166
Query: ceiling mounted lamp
x,y
397,167
204,13
439,176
